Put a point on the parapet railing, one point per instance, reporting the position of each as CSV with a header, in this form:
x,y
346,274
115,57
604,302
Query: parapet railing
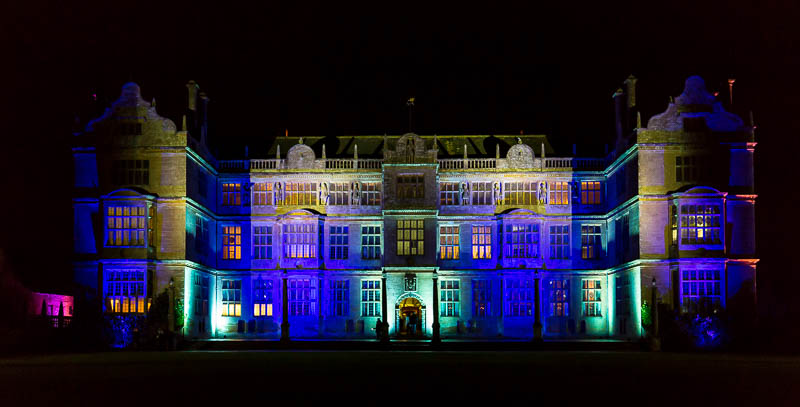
x,y
445,164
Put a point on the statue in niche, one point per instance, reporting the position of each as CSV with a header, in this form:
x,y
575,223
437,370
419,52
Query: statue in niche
x,y
278,193
498,198
355,193
410,150
324,193
542,193
411,282
464,193
575,190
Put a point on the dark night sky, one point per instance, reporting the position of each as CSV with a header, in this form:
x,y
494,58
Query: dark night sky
x,y
540,69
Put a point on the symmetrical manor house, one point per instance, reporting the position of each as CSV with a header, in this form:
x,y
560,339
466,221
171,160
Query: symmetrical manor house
x,y
451,236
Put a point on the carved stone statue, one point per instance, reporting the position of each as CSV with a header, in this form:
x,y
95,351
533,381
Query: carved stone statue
x,y
542,194
324,193
355,193
464,193
498,198
575,190
410,150
278,193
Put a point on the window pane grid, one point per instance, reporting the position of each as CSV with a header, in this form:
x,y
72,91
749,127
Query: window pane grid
x,y
519,297
700,224
231,298
559,298
590,291
262,297
262,242
449,242
340,297
519,193
450,301
125,291
339,242
481,298
300,241
232,242
522,241
590,241
700,290
591,193
481,242
126,225
410,235
559,193
559,242
370,242
370,298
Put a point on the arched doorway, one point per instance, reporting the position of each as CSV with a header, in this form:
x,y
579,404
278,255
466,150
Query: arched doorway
x,y
409,317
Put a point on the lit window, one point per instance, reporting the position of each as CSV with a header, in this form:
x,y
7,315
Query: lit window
x,y
370,298
591,298
590,241
559,193
231,194
130,172
522,241
262,242
370,242
126,225
262,298
300,241
302,296
700,224
519,193
481,298
449,194
232,242
559,242
410,186
231,298
339,194
559,298
410,237
685,169
519,297
591,193
262,194
450,298
125,291
449,242
371,194
340,297
301,193
700,291
339,242
481,242
481,193
673,215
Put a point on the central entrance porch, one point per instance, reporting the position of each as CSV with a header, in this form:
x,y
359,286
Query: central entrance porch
x,y
410,317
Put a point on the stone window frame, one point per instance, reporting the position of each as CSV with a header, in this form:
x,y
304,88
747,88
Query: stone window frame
x,y
339,194
558,295
339,242
520,192
515,231
481,298
695,284
449,297
302,296
263,242
117,223
482,242
559,193
371,297
263,297
232,242
231,194
688,216
559,241
339,291
300,240
410,186
591,192
371,242
201,293
592,297
263,193
449,193
591,241
371,193
481,192
416,234
123,287
231,297
518,293
449,241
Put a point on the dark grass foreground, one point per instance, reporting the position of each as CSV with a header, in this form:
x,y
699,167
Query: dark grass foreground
x,y
413,378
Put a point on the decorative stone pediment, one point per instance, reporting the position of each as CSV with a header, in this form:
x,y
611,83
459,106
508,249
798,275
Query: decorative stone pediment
x,y
410,149
300,156
520,156
131,107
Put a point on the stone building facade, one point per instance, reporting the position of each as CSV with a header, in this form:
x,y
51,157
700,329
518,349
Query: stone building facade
x,y
458,236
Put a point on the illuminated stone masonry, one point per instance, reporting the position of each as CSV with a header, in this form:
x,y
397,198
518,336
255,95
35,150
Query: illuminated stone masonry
x,y
471,236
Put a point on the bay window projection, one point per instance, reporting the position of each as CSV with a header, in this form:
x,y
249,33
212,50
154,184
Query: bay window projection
x,y
410,237
128,225
700,290
700,224
300,241
125,291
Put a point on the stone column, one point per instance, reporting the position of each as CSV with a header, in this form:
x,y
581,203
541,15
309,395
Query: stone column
x,y
320,305
435,338
285,310
537,319
384,311
501,304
